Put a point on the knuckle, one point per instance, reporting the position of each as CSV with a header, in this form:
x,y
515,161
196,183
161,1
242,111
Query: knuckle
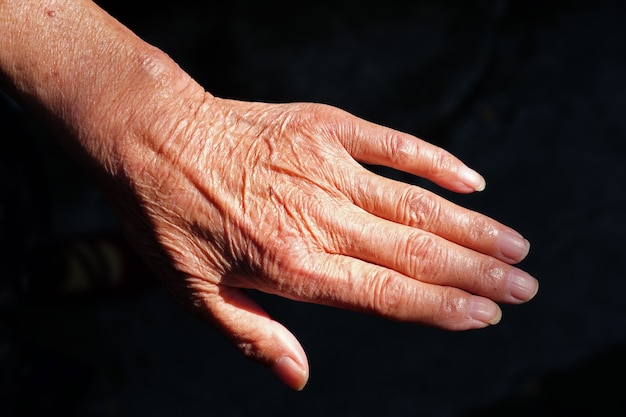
x,y
387,293
286,267
253,345
249,347
442,161
452,306
479,228
400,150
424,255
320,118
493,275
423,209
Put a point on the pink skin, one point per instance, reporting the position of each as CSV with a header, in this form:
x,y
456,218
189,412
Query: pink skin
x,y
222,195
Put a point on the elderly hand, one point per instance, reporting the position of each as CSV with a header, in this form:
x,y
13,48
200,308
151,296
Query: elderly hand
x,y
221,196
271,197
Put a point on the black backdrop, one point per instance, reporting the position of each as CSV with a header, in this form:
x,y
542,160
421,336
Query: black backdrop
x,y
531,94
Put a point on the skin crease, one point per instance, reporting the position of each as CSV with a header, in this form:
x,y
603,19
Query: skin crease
x,y
223,195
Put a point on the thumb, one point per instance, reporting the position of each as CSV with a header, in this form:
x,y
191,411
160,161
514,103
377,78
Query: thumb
x,y
257,336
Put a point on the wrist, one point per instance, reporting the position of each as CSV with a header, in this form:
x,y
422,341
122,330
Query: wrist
x,y
90,78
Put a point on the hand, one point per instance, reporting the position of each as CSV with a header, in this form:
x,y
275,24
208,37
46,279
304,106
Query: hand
x,y
271,197
221,195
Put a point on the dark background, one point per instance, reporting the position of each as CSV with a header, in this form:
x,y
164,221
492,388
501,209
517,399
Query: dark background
x,y
531,94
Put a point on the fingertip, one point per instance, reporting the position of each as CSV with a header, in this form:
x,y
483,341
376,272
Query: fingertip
x,y
291,373
513,246
485,311
481,185
522,286
471,178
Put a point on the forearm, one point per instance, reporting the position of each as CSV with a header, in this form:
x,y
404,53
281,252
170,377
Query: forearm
x,y
86,74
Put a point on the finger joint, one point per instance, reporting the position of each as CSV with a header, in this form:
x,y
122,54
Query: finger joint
x,y
387,290
425,256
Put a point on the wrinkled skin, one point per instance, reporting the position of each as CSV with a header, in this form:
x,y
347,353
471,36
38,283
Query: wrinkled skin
x,y
271,198
220,196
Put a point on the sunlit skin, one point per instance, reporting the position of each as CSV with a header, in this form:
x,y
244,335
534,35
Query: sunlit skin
x,y
222,195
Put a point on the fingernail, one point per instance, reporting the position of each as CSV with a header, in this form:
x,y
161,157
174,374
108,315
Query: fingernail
x,y
485,310
292,374
522,286
471,178
512,245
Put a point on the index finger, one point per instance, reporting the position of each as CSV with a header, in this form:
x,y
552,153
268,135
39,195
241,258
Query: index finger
x,y
373,144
